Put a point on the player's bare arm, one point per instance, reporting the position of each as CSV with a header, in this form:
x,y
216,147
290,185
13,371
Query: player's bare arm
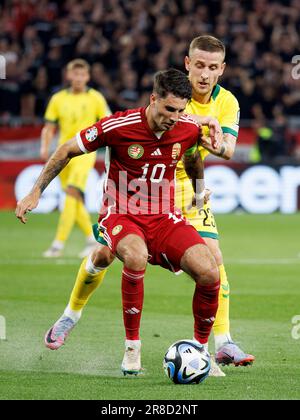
x,y
47,136
53,167
194,168
225,150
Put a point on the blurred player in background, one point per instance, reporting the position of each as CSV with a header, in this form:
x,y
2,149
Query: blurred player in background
x,y
71,110
205,64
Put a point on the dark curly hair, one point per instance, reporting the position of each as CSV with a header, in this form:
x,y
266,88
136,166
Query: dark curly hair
x,y
172,81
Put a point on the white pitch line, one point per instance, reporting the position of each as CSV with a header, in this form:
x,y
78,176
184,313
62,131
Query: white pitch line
x,y
241,261
41,262
261,261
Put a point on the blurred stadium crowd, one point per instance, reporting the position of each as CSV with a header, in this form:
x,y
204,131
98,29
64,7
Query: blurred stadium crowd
x,y
126,41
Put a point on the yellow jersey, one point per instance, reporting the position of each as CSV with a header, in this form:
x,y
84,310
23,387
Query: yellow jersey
x,y
223,106
73,112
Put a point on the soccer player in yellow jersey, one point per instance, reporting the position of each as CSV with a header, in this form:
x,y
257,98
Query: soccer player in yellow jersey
x,y
210,102
71,110
205,64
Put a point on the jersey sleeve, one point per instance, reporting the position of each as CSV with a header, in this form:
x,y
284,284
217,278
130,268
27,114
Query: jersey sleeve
x,y
51,114
92,138
191,151
230,115
194,142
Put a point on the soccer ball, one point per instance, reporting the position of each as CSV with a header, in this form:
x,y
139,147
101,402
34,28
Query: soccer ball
x,y
186,362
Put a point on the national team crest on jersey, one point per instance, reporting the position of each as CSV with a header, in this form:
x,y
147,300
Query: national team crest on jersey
x,y
91,134
136,151
176,151
117,229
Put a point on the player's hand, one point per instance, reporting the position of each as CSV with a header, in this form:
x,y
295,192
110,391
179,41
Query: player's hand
x,y
215,133
206,142
25,205
199,203
208,193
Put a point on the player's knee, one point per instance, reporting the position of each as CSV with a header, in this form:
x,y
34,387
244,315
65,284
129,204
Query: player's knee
x,y
208,276
135,260
133,251
102,256
218,256
214,248
74,192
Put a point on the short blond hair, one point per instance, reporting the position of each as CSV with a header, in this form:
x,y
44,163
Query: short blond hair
x,y
78,63
207,43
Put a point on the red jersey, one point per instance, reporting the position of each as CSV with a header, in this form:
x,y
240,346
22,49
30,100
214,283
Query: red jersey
x,y
140,166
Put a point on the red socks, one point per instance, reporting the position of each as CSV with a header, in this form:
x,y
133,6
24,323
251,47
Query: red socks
x,y
133,298
205,306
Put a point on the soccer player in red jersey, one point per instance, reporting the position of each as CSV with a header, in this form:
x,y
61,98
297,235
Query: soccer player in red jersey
x,y
138,218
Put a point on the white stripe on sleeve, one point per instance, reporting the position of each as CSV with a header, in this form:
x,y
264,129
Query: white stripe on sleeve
x,y
80,143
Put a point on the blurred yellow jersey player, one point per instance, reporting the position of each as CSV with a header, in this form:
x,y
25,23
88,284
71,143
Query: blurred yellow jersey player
x,y
71,110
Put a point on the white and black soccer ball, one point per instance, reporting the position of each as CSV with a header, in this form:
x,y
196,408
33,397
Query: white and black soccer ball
x,y
187,362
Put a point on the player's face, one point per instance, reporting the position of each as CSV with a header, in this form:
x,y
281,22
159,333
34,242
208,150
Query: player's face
x,y
165,112
78,78
204,69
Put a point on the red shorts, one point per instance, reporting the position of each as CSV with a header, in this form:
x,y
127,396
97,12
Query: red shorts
x,y
167,236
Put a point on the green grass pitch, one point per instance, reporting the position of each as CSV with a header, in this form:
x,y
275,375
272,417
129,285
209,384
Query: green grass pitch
x,y
262,255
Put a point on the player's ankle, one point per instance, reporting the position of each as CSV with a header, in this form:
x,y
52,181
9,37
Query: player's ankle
x,y
58,244
74,315
91,268
221,339
132,343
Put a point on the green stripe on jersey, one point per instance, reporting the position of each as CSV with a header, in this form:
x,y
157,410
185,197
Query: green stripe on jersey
x,y
97,235
216,91
208,235
191,151
230,131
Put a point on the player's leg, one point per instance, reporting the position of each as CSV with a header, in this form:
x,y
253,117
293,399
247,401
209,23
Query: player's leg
x,y
227,352
83,220
74,198
203,296
90,275
68,213
132,250
221,327
127,241
204,222
82,168
198,262
181,246
73,179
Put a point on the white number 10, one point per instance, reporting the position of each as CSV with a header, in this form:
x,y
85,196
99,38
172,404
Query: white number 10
x,y
154,171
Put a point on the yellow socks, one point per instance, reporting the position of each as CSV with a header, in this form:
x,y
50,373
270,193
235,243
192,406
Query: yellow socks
x,y
222,325
85,284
